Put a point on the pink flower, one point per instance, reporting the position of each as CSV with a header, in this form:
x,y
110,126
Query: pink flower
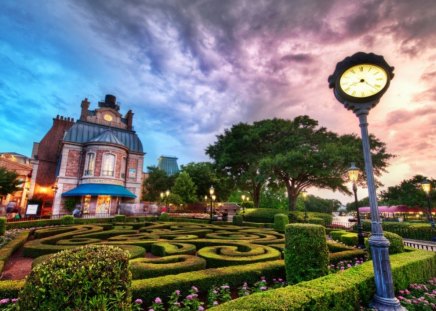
x,y
200,308
4,301
215,303
189,297
138,301
195,289
158,300
177,292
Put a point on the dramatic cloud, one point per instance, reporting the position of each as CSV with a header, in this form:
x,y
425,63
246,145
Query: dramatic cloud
x,y
191,68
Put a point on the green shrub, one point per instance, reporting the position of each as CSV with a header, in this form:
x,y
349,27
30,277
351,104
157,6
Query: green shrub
x,y
336,234
280,221
164,217
261,214
313,217
316,221
143,268
92,277
334,246
67,220
170,248
408,230
2,225
347,255
306,252
70,204
339,291
238,220
119,218
349,239
396,243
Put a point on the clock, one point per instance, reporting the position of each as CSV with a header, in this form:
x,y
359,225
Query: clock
x,y
361,78
107,117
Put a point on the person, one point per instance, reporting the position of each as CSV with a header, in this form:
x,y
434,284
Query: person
x,y
76,212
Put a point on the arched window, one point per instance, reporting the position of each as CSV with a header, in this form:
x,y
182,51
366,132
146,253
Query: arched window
x,y
89,164
108,165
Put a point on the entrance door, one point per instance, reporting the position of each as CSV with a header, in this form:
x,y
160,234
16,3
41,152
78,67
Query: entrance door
x,y
103,204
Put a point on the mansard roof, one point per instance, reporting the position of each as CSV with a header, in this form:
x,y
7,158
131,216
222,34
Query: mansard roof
x,y
83,132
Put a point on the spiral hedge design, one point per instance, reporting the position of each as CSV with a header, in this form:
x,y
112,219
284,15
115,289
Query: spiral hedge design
x,y
163,248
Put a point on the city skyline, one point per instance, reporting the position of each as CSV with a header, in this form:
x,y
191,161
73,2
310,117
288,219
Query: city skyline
x,y
190,69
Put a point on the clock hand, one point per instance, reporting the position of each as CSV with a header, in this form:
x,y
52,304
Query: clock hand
x,y
371,85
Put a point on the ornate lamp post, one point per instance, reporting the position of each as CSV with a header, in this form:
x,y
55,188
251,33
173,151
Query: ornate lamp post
x,y
353,174
304,194
426,187
359,81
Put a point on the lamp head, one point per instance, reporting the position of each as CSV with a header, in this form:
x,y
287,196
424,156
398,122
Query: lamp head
x,y
304,194
426,186
167,193
243,197
213,197
353,173
211,190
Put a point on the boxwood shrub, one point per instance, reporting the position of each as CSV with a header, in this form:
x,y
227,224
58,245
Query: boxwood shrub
x,y
306,252
347,255
92,277
336,234
415,231
280,221
396,243
67,220
2,225
261,214
238,220
337,246
119,218
349,239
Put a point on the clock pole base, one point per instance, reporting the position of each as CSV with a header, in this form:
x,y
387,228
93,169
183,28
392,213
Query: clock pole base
x,y
386,304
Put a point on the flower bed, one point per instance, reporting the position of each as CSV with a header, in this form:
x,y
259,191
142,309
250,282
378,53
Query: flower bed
x,y
419,296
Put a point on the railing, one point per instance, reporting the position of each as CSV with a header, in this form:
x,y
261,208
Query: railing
x,y
419,245
107,173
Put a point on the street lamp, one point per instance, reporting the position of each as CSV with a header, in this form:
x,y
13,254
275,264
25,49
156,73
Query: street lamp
x,y
358,82
212,198
426,187
353,174
304,194
164,197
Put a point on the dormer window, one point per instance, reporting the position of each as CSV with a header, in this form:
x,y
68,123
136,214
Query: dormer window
x,y
108,165
89,164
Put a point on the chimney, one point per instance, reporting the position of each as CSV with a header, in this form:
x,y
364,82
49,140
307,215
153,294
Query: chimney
x,y
85,106
129,118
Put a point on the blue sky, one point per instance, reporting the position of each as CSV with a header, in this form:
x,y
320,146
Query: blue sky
x,y
191,68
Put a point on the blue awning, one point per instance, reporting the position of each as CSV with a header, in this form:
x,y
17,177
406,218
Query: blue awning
x,y
99,189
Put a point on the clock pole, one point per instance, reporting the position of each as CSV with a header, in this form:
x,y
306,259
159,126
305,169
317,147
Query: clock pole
x,y
384,298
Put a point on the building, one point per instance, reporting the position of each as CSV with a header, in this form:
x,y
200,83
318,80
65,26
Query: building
x,y
96,161
21,165
168,164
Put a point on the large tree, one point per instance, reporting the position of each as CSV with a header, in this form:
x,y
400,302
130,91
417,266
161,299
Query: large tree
x,y
9,182
408,192
310,156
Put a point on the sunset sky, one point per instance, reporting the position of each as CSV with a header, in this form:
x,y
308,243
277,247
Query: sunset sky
x,y
191,68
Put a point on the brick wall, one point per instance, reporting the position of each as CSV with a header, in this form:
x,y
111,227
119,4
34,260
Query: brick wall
x,y
73,163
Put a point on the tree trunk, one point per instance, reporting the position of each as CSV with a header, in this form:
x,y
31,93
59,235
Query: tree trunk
x,y
256,194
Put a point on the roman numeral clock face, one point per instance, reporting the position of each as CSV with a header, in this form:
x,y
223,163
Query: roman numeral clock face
x,y
363,80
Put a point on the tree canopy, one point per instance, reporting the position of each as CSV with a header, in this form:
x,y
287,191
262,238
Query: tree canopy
x,y
158,181
185,188
296,153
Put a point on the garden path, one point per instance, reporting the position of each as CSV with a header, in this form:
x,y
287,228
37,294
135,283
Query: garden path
x,y
17,267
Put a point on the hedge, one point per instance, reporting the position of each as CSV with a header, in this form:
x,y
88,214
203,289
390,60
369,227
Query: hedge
x,y
53,222
2,225
306,252
144,268
336,234
347,255
169,248
349,239
7,250
396,243
313,217
415,231
340,291
164,286
261,214
280,221
238,220
337,246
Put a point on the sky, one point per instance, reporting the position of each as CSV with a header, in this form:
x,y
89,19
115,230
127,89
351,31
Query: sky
x,y
189,69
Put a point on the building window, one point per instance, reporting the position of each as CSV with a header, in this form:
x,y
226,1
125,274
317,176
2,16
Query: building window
x,y
123,168
132,173
89,164
108,165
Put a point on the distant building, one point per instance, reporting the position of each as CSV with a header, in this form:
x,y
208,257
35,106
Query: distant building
x,y
21,165
97,161
168,164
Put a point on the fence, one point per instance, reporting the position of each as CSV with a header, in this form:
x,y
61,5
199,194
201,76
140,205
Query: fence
x,y
420,245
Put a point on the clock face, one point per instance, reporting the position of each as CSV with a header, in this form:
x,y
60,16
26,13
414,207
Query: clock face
x,y
363,80
107,117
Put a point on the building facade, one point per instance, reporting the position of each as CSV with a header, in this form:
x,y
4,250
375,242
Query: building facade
x,y
96,162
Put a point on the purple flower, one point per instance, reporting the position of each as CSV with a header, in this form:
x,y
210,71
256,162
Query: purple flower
x,y
215,291
195,289
138,301
158,300
4,301
280,280
189,297
262,278
177,292
225,287
263,288
151,309
14,300
200,308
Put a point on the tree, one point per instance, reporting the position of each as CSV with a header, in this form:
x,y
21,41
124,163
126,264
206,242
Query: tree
x,y
408,192
204,175
361,203
9,182
304,155
320,205
185,188
158,181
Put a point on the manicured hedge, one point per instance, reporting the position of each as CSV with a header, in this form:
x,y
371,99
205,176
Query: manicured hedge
x,y
336,234
306,252
2,225
67,220
313,217
53,222
238,220
337,246
261,214
349,239
414,231
280,221
164,286
93,277
143,268
347,255
340,291
170,248
119,218
7,250
396,243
